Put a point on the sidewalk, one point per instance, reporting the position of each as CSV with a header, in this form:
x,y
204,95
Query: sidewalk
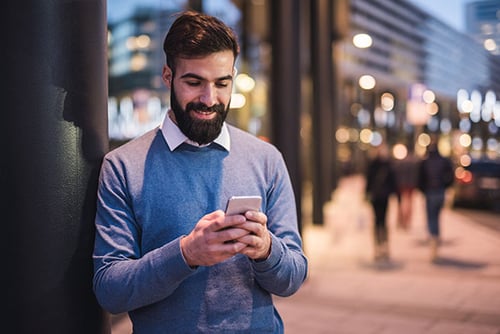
x,y
347,292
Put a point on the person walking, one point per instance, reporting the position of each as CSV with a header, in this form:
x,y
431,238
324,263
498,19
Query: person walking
x,y
406,171
380,185
165,251
435,175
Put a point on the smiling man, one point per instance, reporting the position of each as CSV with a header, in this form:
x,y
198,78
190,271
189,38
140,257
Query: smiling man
x,y
165,251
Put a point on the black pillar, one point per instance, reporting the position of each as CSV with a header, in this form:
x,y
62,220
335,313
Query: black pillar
x,y
323,105
54,134
285,87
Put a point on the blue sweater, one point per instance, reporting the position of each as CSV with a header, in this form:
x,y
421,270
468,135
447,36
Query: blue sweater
x,y
149,197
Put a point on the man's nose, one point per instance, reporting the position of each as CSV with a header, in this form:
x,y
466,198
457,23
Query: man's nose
x,y
209,96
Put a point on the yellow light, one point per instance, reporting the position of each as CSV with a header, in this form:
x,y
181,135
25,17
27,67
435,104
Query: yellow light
x,y
353,135
424,139
142,41
244,82
365,136
138,62
465,160
130,43
399,151
432,108
237,101
342,135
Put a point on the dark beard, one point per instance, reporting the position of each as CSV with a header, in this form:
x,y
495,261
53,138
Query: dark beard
x,y
200,131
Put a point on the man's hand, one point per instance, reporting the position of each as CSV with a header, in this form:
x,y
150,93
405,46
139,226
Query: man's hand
x,y
258,240
215,238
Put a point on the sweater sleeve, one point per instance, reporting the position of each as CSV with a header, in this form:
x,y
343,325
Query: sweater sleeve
x,y
284,271
124,279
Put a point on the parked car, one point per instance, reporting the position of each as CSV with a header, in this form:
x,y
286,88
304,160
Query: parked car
x,y
478,185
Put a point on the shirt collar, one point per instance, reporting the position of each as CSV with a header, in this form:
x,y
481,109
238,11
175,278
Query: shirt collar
x,y
174,136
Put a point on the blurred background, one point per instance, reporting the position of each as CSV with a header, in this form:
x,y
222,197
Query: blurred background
x,y
365,71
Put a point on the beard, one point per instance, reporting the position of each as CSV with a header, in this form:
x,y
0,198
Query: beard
x,y
198,130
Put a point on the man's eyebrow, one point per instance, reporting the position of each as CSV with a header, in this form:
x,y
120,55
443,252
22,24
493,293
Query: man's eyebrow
x,y
198,77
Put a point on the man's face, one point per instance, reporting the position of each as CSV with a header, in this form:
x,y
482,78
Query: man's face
x,y
200,93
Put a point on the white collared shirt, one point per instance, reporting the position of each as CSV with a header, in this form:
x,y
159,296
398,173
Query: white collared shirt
x,y
174,136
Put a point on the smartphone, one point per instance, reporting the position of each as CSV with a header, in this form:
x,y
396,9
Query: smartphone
x,y
240,204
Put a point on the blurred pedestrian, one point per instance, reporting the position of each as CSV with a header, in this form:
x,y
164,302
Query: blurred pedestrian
x,y
165,251
435,175
380,185
406,171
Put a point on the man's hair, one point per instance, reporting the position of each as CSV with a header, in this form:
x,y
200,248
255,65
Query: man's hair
x,y
195,35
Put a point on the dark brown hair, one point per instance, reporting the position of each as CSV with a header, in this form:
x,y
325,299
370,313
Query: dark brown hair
x,y
194,35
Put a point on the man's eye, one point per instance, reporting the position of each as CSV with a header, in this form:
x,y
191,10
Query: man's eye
x,y
222,84
193,83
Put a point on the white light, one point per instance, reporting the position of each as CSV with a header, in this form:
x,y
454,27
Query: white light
x,y
462,96
489,44
486,112
477,100
445,125
433,124
464,125
362,41
465,140
428,96
492,144
367,82
477,143
467,106
376,139
237,101
387,101
244,82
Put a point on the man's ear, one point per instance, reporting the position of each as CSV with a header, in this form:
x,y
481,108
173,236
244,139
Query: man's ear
x,y
166,76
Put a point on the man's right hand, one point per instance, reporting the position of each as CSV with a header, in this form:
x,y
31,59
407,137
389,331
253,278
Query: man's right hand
x,y
209,242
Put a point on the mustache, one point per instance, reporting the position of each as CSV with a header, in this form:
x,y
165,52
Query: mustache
x,y
218,108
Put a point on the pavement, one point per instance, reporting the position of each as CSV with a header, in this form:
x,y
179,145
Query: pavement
x,y
347,292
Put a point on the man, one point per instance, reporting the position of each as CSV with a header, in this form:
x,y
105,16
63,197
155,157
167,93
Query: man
x,y
435,176
380,185
165,251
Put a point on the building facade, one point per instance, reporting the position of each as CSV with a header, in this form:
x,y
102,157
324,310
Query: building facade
x,y
423,76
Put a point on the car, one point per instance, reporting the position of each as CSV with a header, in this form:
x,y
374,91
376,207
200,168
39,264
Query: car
x,y
477,185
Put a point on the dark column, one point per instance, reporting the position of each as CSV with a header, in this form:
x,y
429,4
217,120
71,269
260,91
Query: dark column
x,y
54,134
285,86
323,105
329,24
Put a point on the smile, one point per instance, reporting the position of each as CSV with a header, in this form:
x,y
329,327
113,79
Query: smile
x,y
204,114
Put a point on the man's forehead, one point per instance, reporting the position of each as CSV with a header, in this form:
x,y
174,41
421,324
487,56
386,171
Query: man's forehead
x,y
212,66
